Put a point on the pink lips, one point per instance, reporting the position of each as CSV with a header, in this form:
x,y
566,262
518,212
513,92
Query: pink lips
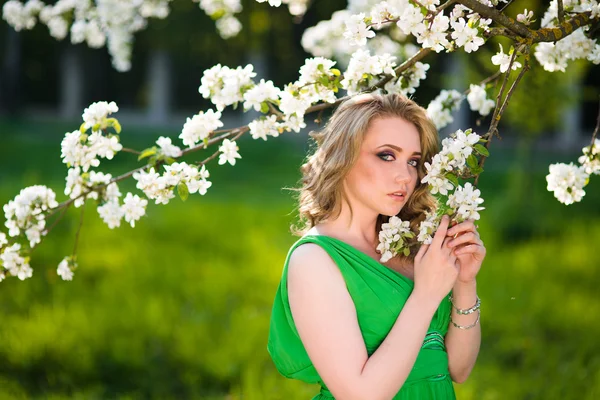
x,y
397,198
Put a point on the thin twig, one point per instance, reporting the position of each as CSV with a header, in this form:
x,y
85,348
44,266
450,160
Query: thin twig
x,y
498,113
78,229
561,11
212,156
56,221
593,142
126,150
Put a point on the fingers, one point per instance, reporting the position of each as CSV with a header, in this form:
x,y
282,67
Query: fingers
x,y
468,237
440,234
421,252
471,248
465,226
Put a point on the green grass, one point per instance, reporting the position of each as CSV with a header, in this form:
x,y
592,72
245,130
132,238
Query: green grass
x,y
179,306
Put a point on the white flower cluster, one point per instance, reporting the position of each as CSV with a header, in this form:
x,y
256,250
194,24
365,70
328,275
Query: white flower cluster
x,y
78,183
465,202
226,86
12,262
66,267
392,238
326,39
167,148
452,158
440,109
591,160
25,213
259,95
181,175
428,227
364,68
555,56
466,30
478,100
99,22
79,149
200,126
223,12
410,79
296,7
568,180
132,209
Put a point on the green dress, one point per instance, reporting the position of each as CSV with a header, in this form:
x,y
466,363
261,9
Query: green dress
x,y
379,293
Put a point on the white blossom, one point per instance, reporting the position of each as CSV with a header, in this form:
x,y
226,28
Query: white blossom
x,y
503,60
363,68
200,126
167,148
478,100
392,236
14,263
229,152
25,213
357,31
226,86
465,202
567,182
133,208
525,17
591,161
64,269
261,128
262,92
440,109
111,213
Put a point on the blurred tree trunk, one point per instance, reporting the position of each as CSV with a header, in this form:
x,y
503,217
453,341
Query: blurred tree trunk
x,y
10,87
71,83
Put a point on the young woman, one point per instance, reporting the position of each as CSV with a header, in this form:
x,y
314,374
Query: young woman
x,y
362,329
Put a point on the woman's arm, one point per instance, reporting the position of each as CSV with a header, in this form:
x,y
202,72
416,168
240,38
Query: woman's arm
x,y
325,317
462,345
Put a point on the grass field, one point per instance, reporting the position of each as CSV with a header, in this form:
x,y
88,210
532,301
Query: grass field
x,y
179,306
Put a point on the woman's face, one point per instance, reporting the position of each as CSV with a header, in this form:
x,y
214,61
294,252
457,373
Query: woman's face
x,y
387,163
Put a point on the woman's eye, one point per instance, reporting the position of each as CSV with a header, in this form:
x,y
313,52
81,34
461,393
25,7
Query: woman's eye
x,y
386,156
416,162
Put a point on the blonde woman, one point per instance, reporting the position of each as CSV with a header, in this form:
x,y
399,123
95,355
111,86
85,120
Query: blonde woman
x,y
362,329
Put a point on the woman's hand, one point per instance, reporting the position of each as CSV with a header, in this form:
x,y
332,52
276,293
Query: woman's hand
x,y
436,268
465,243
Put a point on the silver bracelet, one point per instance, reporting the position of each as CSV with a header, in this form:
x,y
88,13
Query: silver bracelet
x,y
467,326
467,311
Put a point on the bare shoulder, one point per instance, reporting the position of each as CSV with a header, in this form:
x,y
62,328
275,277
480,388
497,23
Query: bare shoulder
x,y
311,261
325,317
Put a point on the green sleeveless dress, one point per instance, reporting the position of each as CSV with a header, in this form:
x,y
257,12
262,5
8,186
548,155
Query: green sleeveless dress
x,y
379,293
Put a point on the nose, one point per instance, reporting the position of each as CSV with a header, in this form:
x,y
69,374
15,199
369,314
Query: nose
x,y
403,174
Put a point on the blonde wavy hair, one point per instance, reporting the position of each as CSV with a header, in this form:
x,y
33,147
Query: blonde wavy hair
x,y
337,150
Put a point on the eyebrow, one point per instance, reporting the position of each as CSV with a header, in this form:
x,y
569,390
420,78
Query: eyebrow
x,y
398,149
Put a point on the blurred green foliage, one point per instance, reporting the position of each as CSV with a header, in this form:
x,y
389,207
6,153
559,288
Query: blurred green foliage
x,y
179,306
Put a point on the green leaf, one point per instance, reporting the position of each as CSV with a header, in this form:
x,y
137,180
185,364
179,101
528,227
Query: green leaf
x,y
335,71
114,123
323,80
481,150
406,251
264,107
452,178
183,191
170,160
472,161
205,141
82,128
147,153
